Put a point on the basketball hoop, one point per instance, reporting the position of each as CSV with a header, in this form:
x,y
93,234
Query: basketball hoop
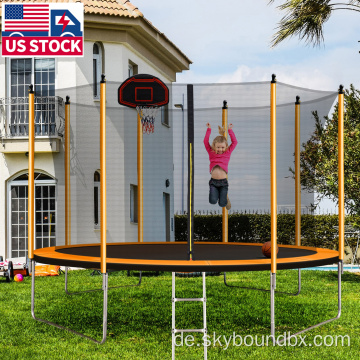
x,y
147,94
147,115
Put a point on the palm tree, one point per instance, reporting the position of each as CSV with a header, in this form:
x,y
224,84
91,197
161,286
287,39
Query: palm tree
x,y
306,18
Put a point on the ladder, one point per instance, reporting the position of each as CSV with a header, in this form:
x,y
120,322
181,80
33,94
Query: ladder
x,y
174,331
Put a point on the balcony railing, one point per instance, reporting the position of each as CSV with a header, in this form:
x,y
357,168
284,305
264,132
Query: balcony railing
x,y
49,116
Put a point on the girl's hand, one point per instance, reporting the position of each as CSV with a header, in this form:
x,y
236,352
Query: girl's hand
x,y
208,125
230,126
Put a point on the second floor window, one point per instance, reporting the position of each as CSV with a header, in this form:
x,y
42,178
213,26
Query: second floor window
x,y
40,73
97,69
133,69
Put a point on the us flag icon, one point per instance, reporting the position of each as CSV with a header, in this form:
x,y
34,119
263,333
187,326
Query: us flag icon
x,y
27,19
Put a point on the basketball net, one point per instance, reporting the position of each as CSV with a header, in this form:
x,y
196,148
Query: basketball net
x,y
147,115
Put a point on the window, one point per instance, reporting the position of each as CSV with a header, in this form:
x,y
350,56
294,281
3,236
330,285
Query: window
x,y
41,73
165,115
132,69
45,213
97,200
133,203
44,87
166,207
44,73
97,69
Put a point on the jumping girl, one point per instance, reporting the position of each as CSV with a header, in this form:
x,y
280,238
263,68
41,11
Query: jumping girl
x,y
219,156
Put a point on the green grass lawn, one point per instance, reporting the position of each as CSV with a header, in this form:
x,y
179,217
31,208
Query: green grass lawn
x,y
139,318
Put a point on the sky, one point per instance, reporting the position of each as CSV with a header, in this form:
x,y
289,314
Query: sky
x,y
229,41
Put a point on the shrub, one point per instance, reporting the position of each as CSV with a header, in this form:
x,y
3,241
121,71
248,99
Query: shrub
x,y
316,230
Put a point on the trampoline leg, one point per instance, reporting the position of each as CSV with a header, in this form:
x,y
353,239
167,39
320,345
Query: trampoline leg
x,y
272,303
105,306
340,272
299,283
279,292
86,291
105,290
173,316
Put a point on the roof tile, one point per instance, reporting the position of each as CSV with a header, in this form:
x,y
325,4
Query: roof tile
x,y
102,7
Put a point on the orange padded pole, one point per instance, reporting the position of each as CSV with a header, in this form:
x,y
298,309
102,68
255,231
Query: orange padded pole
x,y
31,182
225,213
341,172
297,174
103,173
140,180
67,174
273,202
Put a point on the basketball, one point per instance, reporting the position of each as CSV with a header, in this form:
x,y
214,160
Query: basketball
x,y
266,249
18,278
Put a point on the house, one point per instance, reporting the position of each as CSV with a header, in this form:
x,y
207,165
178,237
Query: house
x,y
118,41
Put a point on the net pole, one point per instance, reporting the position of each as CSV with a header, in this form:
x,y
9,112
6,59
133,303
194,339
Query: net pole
x,y
297,174
103,173
273,174
225,213
341,172
190,106
67,174
140,177
31,181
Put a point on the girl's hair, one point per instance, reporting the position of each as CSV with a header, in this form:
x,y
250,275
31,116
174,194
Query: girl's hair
x,y
219,139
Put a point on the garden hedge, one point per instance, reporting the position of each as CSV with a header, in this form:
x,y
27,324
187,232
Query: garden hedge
x,y
318,231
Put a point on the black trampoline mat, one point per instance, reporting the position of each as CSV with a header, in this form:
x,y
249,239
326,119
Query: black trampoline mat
x,y
177,251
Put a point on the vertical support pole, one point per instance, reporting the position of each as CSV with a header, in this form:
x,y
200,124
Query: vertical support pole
x,y
31,182
190,107
182,155
140,177
273,203
297,174
103,217
103,172
341,172
67,174
273,174
225,214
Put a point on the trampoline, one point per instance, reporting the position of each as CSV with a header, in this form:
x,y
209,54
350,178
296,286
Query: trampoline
x,y
173,256
187,256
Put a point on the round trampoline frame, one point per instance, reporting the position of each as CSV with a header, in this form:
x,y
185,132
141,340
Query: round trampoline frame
x,y
160,256
194,256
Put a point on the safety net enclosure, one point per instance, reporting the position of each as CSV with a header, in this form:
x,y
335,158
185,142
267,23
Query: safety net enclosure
x,y
123,184
165,162
165,157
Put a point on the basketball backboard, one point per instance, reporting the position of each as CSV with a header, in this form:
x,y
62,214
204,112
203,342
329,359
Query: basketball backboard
x,y
143,90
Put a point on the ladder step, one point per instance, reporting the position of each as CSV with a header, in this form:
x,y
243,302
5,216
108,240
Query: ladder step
x,y
189,330
188,299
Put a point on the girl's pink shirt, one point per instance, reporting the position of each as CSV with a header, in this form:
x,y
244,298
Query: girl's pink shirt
x,y
219,159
